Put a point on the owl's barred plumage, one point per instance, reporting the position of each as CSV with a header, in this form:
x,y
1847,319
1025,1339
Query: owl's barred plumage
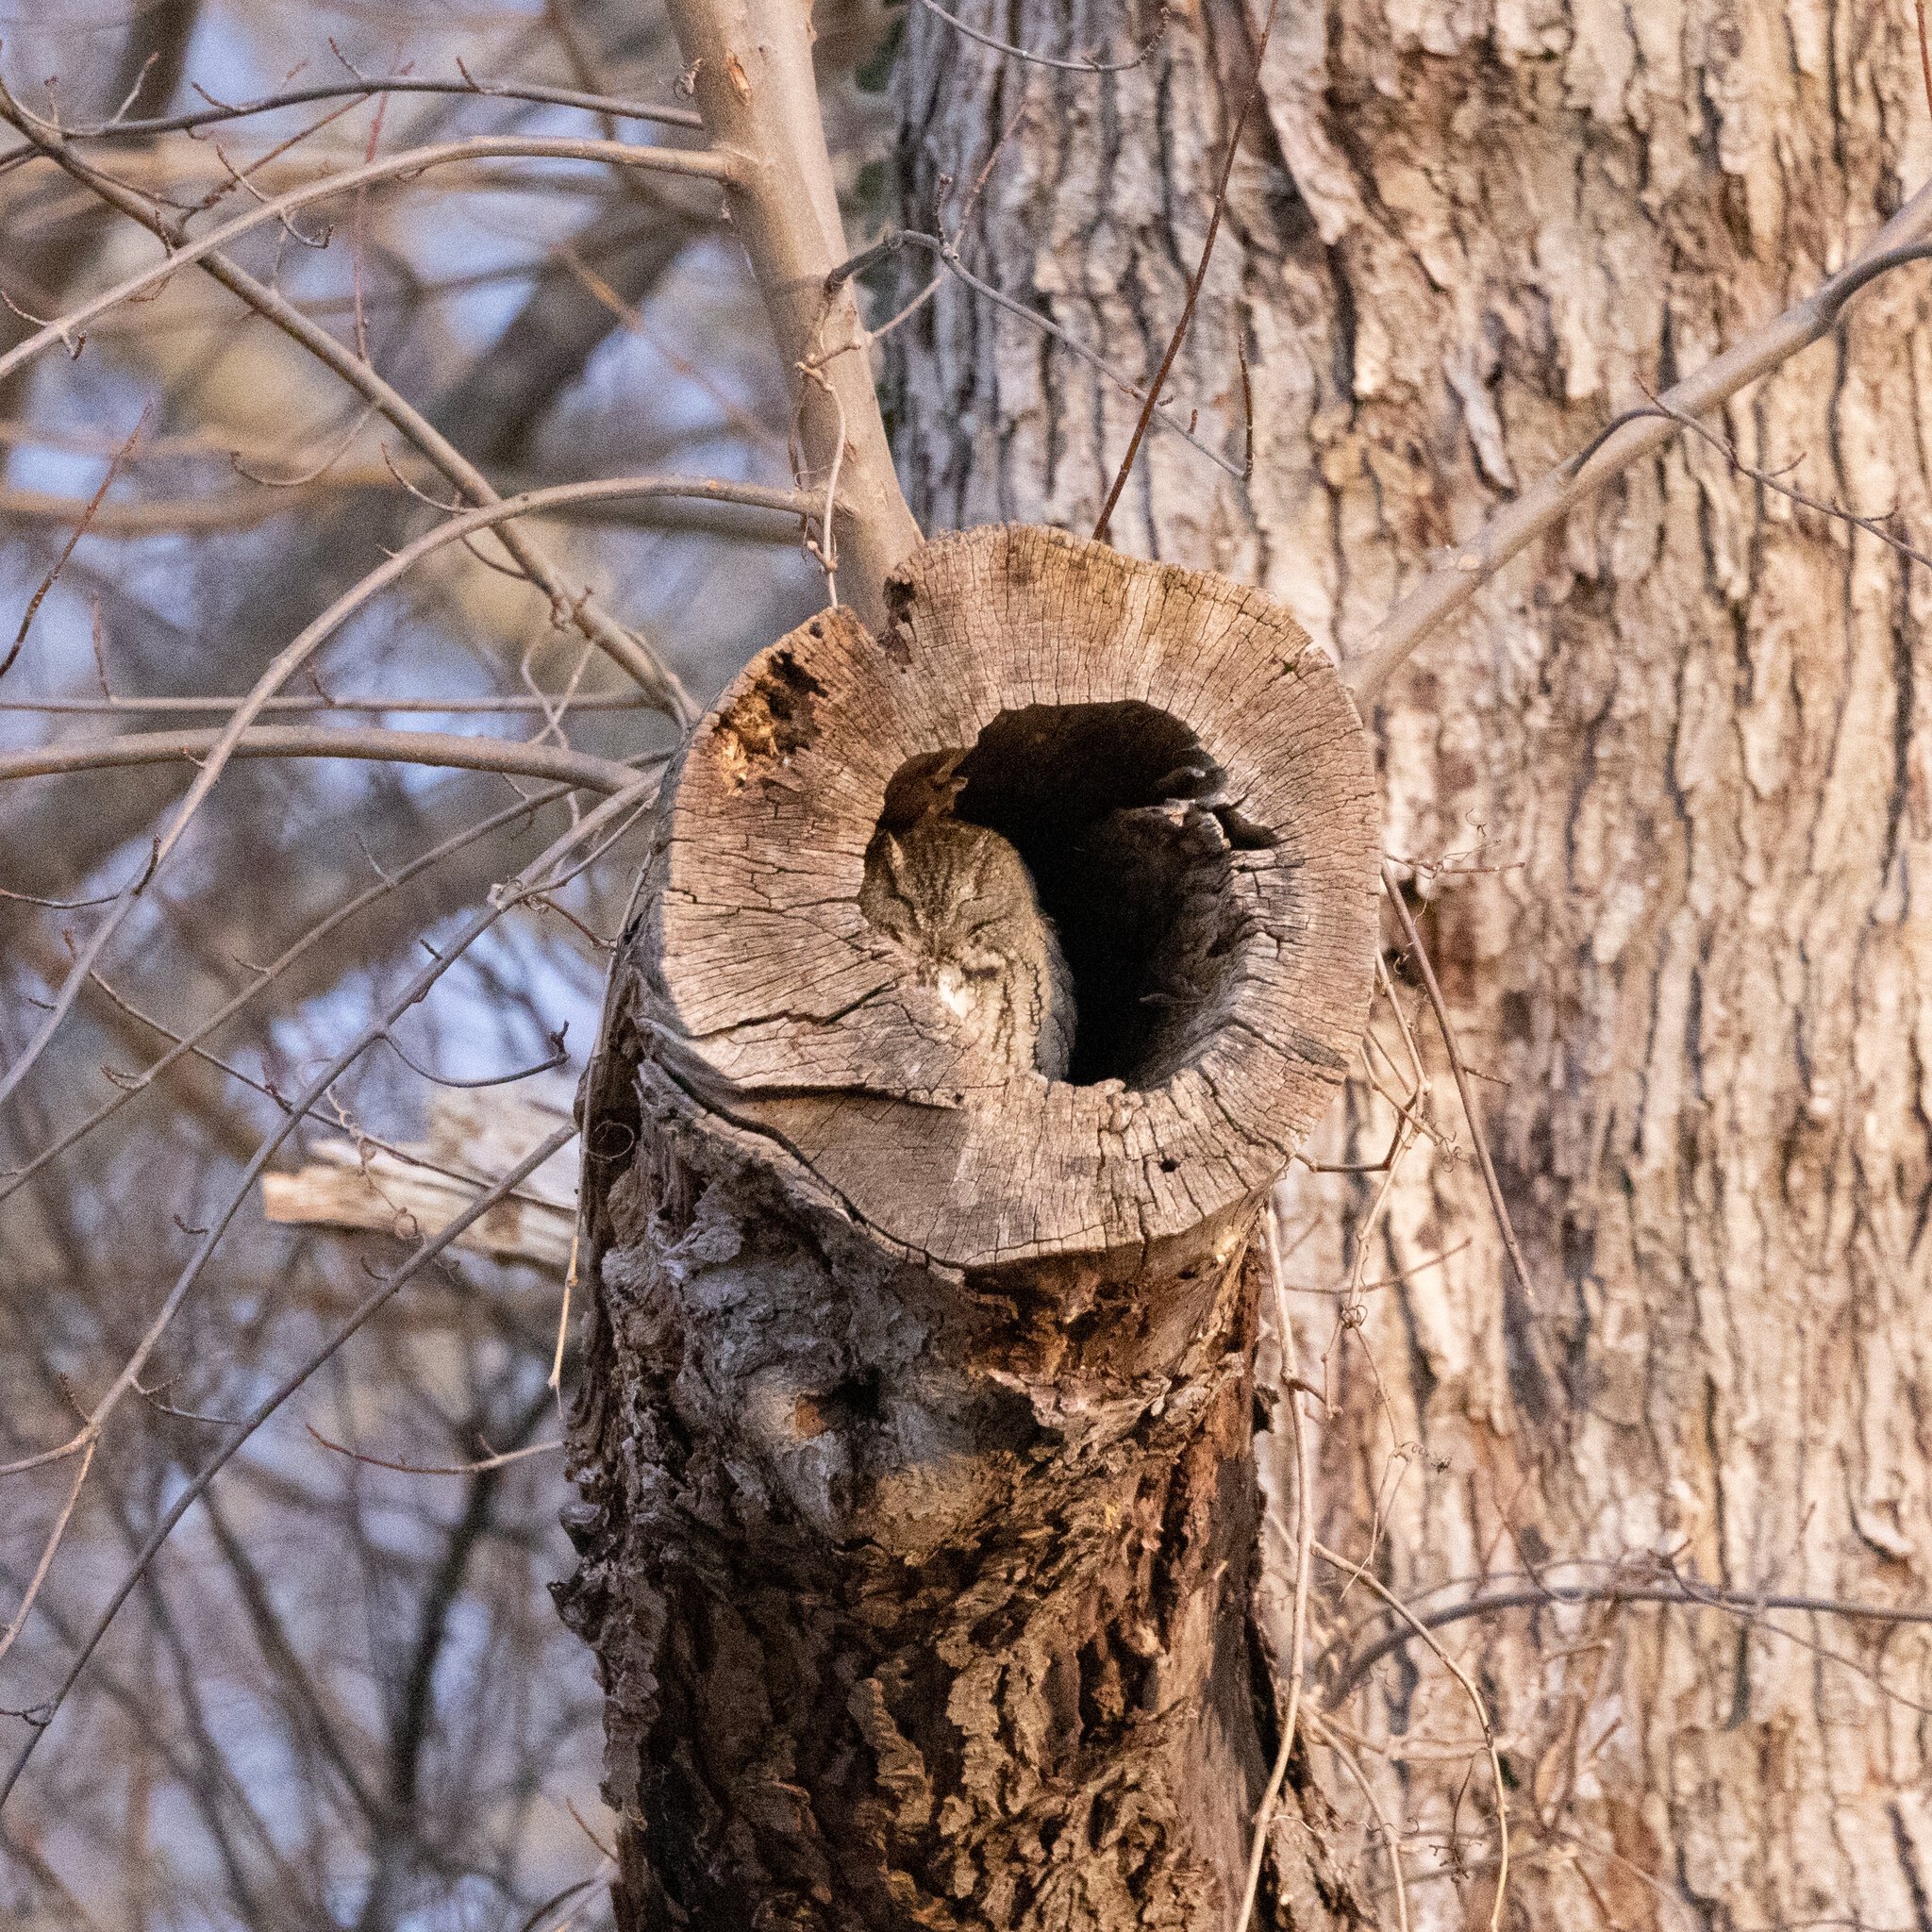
x,y
958,898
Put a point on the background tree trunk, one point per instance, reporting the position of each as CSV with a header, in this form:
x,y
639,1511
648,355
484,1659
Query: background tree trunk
x,y
1693,735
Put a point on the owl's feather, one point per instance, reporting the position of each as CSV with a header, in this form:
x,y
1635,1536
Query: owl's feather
x,y
959,900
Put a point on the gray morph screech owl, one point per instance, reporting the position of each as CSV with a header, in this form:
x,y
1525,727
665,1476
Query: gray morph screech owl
x,y
958,898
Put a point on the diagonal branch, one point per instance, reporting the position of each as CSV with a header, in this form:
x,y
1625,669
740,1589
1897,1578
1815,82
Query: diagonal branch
x,y
182,251
580,609
542,874
1448,589
193,1492
1413,939
306,644
1195,282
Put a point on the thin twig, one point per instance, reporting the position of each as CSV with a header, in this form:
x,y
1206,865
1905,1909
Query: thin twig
x,y
1084,65
1924,53
297,652
499,1460
243,510
948,253
1449,588
1194,284
1375,1583
826,548
366,1144
45,1712
557,1054
25,1609
1304,1532
1767,479
1413,940
540,876
363,89
1541,1597
510,704
579,609
1353,1765
80,530
266,975
184,250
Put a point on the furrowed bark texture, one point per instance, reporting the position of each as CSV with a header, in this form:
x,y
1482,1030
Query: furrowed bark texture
x,y
1694,736
918,1527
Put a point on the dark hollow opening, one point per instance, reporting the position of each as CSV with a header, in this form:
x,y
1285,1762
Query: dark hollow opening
x,y
1129,831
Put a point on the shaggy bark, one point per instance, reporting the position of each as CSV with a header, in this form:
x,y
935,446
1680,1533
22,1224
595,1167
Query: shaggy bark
x,y
918,1527
1694,736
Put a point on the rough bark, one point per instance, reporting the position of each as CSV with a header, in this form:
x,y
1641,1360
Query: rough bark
x,y
1694,732
918,1527
750,69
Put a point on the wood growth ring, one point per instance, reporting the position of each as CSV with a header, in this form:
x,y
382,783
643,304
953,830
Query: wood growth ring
x,y
1187,786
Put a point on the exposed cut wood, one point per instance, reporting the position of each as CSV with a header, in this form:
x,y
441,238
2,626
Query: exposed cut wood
x,y
918,1527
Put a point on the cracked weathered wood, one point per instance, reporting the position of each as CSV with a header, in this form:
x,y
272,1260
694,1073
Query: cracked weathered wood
x,y
918,1527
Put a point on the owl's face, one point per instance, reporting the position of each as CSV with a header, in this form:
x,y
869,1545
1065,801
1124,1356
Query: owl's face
x,y
959,902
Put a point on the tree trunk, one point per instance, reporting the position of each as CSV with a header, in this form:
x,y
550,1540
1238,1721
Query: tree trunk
x,y
919,1525
1685,752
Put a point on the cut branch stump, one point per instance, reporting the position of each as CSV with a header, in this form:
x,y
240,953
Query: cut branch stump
x,y
918,1524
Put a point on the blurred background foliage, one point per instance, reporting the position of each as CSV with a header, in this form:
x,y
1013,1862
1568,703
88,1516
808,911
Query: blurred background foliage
x,y
339,1696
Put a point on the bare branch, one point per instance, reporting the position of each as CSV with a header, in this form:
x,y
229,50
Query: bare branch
x,y
540,876
498,1460
1391,1839
1767,479
25,1609
244,509
1544,1596
267,975
579,610
751,69
449,749
1924,51
363,90
510,704
66,329
947,250
1450,587
1414,941
295,655
89,512
1358,1572
1180,328
192,1492
1087,65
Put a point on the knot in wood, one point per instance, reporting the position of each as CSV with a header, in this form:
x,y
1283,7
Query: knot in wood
x,y
1042,925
